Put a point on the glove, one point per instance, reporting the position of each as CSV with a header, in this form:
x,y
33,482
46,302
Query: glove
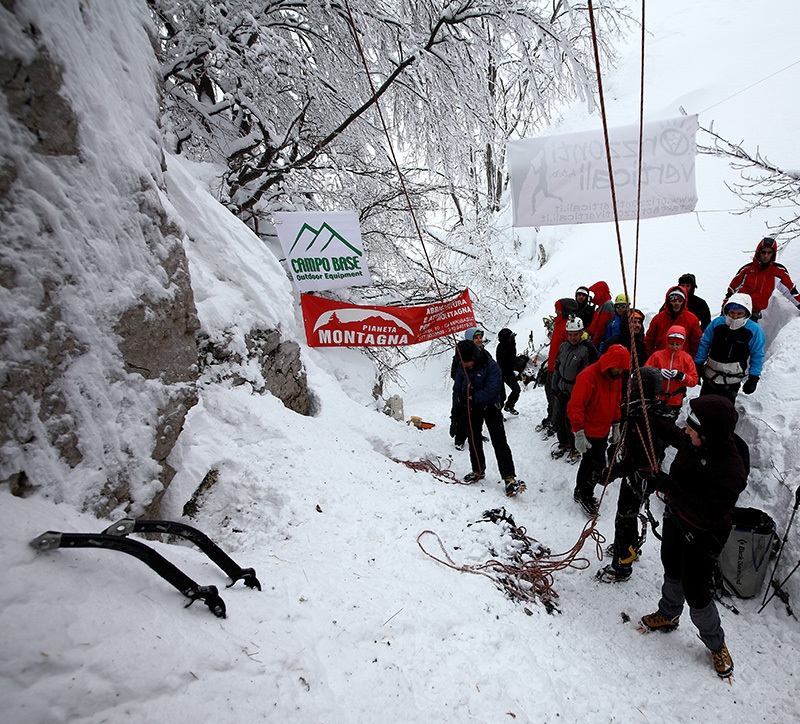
x,y
615,434
749,387
679,376
582,445
700,367
669,374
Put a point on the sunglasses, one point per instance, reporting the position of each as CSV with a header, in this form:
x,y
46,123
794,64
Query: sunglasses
x,y
620,306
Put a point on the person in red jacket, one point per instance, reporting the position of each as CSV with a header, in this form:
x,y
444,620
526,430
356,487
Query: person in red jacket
x,y
564,308
594,410
673,311
760,277
677,368
603,314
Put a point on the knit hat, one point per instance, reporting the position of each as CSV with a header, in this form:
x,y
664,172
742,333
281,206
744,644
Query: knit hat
x,y
676,331
688,279
637,314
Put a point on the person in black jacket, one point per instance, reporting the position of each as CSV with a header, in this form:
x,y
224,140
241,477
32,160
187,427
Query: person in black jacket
x,y
479,388
696,305
636,460
506,355
636,325
585,308
704,482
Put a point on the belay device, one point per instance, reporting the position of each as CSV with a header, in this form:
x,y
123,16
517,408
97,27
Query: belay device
x,y
115,538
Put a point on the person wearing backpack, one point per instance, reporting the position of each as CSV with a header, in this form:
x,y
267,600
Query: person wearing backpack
x,y
704,482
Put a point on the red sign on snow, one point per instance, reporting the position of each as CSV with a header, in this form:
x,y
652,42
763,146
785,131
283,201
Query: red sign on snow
x,y
329,323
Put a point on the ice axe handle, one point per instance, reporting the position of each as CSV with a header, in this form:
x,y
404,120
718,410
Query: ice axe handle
x,y
797,498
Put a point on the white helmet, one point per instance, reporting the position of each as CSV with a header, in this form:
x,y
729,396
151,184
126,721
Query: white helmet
x,y
575,324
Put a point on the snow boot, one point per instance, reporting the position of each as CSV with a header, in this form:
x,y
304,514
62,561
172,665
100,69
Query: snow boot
x,y
513,486
588,502
559,452
474,477
510,410
723,662
460,445
573,457
659,622
609,574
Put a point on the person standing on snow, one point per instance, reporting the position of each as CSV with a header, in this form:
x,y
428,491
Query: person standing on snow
x,y
594,411
574,356
634,326
479,388
506,354
704,482
614,326
696,305
673,312
585,310
636,461
760,277
603,314
564,309
459,425
731,351
677,368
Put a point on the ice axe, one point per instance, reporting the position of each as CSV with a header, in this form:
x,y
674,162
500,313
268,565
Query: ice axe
x,y
766,600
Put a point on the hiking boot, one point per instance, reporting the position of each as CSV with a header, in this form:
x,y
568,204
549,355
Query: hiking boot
x,y
559,452
542,425
609,574
659,622
513,486
587,502
474,477
723,662
460,445
510,410
573,457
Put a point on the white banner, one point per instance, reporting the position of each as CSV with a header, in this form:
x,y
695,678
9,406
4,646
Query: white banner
x,y
564,179
323,249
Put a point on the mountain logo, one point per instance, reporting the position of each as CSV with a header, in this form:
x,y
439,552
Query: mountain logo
x,y
319,240
348,316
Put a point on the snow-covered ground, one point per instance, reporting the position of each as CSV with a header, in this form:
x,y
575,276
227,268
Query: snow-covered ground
x,y
355,623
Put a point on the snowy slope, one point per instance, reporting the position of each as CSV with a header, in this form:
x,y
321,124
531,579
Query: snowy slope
x,y
355,623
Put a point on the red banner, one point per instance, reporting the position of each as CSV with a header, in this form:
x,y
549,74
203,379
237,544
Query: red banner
x,y
330,323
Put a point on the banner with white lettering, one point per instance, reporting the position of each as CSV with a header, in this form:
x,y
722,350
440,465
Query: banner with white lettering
x,y
329,323
323,249
564,179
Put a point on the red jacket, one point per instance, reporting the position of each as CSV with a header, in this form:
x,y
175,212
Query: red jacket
x,y
656,337
673,391
564,307
601,296
596,398
759,281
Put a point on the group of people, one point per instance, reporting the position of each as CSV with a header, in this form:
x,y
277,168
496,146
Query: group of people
x,y
610,381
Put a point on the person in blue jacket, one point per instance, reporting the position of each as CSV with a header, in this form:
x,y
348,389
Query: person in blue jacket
x,y
479,386
731,351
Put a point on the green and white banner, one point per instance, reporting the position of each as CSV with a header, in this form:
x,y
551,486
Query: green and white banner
x,y
323,249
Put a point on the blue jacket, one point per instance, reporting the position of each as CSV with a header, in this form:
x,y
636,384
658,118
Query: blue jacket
x,y
732,348
485,381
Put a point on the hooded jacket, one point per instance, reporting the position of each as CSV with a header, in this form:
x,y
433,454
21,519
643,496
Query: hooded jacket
x,y
730,355
601,298
673,391
506,352
596,397
656,336
697,305
484,381
704,482
759,281
564,307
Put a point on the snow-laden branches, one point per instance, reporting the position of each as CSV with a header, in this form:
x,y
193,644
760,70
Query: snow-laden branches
x,y
764,184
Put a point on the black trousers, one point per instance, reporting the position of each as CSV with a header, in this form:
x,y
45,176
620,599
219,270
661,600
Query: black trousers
x,y
511,381
563,429
593,461
493,417
626,521
712,388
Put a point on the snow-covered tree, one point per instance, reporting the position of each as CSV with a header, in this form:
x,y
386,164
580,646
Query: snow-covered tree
x,y
284,94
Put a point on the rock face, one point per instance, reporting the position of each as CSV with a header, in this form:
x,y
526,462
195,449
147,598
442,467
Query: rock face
x,y
99,331
98,356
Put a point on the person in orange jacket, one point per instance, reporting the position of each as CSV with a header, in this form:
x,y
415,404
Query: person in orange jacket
x,y
677,368
673,311
760,276
594,410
